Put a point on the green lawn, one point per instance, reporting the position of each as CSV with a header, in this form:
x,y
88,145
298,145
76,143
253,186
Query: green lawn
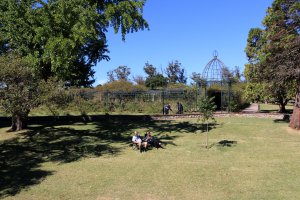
x,y
274,108
248,158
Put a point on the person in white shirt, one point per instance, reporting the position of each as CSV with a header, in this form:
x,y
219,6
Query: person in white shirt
x,y
136,139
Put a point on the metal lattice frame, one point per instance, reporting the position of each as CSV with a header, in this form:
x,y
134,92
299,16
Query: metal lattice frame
x,y
213,75
213,71
143,101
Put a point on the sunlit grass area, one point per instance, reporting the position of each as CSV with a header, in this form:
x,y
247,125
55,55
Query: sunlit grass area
x,y
273,108
247,158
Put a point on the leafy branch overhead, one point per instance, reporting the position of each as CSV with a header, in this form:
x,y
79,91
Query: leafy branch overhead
x,y
66,38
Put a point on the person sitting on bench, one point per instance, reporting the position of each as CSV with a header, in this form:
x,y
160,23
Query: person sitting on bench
x,y
136,140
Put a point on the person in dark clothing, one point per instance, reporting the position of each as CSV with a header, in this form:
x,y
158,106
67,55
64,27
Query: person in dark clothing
x,y
179,108
166,109
152,141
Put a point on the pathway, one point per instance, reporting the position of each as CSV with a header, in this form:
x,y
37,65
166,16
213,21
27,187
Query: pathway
x,y
253,108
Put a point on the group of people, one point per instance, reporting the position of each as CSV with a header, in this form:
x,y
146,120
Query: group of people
x,y
168,108
143,143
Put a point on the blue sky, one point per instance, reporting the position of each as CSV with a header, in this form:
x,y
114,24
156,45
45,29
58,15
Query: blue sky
x,y
188,31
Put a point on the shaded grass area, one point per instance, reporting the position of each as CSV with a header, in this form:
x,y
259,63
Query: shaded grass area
x,y
64,141
248,158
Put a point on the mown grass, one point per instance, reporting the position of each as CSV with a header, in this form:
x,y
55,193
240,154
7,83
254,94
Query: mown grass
x,y
273,108
248,158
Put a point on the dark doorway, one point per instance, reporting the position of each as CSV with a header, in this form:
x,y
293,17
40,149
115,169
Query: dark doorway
x,y
217,97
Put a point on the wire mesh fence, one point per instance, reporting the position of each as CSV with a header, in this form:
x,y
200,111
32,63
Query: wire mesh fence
x,y
149,102
153,101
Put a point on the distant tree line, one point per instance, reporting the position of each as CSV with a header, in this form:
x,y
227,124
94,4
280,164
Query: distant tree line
x,y
174,74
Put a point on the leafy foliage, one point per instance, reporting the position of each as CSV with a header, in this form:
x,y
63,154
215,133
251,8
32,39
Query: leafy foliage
x,y
175,72
256,92
282,51
198,80
120,73
255,42
150,70
54,96
20,90
207,108
156,81
274,53
66,38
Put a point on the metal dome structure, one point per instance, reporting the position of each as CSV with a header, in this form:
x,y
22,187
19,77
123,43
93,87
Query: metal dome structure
x,y
216,84
213,71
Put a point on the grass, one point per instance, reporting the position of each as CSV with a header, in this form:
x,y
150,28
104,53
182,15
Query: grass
x,y
248,158
272,108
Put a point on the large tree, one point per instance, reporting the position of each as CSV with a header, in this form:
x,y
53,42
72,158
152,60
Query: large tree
x,y
19,90
154,79
120,73
150,70
279,58
274,52
199,80
59,38
175,72
157,81
66,38
258,89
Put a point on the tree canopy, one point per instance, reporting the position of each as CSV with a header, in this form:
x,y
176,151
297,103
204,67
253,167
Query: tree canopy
x,y
120,73
280,58
175,72
150,70
154,79
66,38
20,90
274,52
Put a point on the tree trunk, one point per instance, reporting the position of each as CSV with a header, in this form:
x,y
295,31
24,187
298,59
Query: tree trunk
x,y
295,119
282,104
19,121
282,108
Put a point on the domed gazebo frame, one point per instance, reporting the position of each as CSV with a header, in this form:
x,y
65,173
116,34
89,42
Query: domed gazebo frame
x,y
214,77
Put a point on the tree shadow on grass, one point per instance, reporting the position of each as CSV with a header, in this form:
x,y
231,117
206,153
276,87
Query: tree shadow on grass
x,y
67,140
184,127
19,167
288,111
285,119
224,143
5,122
21,158
227,143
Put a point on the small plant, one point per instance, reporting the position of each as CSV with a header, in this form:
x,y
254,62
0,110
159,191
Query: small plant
x,y
207,108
